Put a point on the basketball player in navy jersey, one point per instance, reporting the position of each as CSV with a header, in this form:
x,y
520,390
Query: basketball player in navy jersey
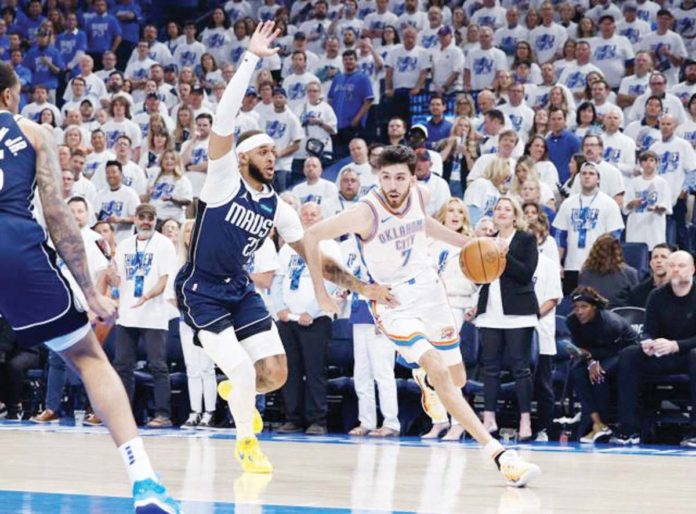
x,y
37,300
237,210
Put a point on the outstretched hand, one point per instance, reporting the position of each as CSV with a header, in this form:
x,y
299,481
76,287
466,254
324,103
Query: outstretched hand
x,y
261,39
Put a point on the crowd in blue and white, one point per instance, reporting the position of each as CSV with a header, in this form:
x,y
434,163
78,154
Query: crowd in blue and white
x,y
526,99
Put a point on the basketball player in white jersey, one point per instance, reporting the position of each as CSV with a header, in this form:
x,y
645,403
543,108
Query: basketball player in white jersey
x,y
392,230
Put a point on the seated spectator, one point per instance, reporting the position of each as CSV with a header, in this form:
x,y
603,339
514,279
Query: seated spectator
x,y
638,296
600,335
14,362
669,347
607,273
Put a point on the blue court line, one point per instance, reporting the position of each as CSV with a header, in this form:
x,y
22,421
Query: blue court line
x,y
343,439
24,502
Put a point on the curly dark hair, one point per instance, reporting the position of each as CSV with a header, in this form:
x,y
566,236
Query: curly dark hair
x,y
606,256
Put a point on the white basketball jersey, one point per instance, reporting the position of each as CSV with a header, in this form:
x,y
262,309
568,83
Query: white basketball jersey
x,y
397,248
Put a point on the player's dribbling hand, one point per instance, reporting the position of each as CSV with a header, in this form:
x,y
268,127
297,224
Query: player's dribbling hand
x,y
261,39
104,308
380,294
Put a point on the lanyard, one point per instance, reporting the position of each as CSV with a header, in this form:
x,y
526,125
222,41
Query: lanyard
x,y
140,256
584,218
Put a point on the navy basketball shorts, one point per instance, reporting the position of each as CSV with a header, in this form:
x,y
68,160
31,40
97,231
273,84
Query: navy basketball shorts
x,y
35,298
216,306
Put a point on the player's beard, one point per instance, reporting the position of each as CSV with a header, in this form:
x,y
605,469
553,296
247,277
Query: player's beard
x,y
255,173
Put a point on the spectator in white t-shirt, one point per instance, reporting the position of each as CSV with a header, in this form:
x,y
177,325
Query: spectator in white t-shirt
x,y
285,129
296,83
144,262
117,203
648,201
194,153
619,149
611,52
316,189
120,124
169,191
581,219
483,64
667,46
482,194
611,182
548,38
435,184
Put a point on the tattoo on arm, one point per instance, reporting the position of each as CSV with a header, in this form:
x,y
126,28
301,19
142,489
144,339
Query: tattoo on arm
x,y
333,272
61,224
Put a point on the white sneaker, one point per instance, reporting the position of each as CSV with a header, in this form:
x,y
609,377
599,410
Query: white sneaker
x,y
429,400
596,433
517,471
192,421
542,437
206,421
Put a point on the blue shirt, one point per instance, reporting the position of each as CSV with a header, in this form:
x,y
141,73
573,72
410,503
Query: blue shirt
x,y
25,79
101,32
130,29
30,26
41,72
347,95
69,43
438,131
561,150
4,48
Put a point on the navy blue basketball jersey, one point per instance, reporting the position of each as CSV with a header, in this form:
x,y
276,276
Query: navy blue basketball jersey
x,y
17,172
227,235
35,297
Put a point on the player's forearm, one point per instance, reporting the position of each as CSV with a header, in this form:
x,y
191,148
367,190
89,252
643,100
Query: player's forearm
x,y
231,101
334,272
437,230
60,222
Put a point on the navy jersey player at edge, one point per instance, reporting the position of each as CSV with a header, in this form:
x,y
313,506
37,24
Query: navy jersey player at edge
x,y
237,210
37,300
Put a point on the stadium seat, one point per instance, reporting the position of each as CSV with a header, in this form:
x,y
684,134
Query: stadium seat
x,y
637,255
634,315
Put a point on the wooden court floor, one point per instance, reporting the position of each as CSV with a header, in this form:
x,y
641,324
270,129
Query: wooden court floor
x,y
65,470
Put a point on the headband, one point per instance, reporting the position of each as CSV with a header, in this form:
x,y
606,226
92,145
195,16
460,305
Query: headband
x,y
254,142
586,298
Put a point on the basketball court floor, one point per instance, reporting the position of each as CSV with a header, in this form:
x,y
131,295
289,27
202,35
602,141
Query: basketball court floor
x,y
68,470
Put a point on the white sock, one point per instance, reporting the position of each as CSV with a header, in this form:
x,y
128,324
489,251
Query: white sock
x,y
136,461
242,399
494,448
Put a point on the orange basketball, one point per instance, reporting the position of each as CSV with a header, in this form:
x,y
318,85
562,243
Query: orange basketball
x,y
481,260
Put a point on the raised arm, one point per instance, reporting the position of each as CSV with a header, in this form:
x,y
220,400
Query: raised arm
x,y
222,134
60,222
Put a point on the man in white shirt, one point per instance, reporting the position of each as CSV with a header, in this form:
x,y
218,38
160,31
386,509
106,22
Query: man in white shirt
x,y
407,69
633,86
686,89
317,27
194,154
448,63
412,17
520,114
376,21
547,39
600,92
619,149
144,262
117,203
508,140
295,84
436,185
120,124
667,47
78,87
507,37
428,37
285,129
349,188
305,331
94,84
483,64
648,201
611,52
133,174
611,181
33,110
157,51
658,87
581,219
138,71
631,27
316,189
189,52
99,154
574,76
677,165
489,15
83,186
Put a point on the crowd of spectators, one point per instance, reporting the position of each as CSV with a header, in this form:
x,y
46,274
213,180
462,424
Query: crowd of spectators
x,y
579,114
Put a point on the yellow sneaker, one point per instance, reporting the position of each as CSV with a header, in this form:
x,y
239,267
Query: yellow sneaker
x,y
429,400
225,389
249,454
517,471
